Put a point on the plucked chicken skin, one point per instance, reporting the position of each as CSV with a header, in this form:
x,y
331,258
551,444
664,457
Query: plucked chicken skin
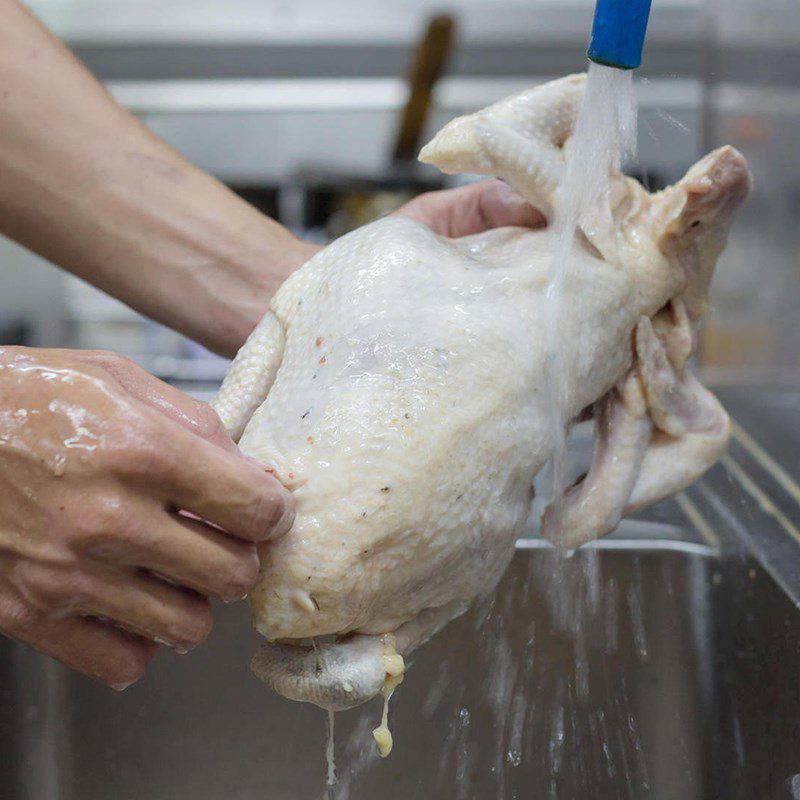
x,y
396,387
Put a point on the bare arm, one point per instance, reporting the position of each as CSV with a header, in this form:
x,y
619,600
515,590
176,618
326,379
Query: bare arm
x,y
86,185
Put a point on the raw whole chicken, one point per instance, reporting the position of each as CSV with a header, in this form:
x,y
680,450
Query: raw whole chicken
x,y
395,386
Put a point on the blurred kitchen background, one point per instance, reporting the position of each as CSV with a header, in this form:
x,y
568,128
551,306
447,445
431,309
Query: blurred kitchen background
x,y
302,107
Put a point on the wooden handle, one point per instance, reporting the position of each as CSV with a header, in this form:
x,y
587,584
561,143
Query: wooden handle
x,y
426,68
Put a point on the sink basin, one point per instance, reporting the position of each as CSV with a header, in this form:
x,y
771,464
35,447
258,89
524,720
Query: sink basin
x,y
641,668
662,662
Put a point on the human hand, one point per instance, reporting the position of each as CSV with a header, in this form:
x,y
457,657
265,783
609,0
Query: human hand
x,y
452,212
471,209
97,564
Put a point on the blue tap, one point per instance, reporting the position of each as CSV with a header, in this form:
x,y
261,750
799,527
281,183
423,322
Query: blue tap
x,y
618,32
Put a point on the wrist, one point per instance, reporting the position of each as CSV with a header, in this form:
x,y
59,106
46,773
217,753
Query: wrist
x,y
240,291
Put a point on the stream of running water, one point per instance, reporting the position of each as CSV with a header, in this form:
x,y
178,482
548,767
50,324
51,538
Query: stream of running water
x,y
604,137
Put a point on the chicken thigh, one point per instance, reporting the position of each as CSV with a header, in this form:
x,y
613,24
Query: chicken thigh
x,y
395,386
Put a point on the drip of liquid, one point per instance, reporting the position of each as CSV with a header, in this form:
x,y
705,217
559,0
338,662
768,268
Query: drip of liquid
x,y
394,666
604,135
382,734
330,781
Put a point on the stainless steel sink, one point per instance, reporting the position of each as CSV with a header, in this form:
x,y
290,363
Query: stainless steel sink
x,y
662,663
678,679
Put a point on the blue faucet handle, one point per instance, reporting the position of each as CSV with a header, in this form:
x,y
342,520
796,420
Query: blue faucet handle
x,y
618,32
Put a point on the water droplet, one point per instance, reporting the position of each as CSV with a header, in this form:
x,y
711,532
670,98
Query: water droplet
x,y
59,465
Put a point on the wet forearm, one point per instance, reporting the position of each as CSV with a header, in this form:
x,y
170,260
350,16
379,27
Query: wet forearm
x,y
87,186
